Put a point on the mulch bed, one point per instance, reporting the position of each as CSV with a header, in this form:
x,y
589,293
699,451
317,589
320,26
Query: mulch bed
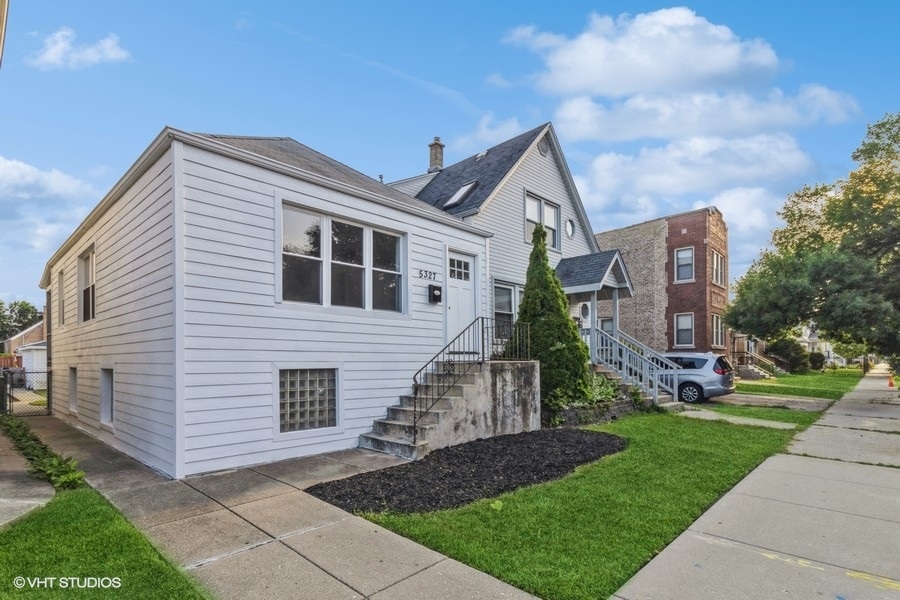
x,y
458,475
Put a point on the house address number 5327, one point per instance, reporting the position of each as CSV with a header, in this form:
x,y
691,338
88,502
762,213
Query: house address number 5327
x,y
430,275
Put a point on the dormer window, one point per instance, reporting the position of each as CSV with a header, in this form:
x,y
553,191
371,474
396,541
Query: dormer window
x,y
461,194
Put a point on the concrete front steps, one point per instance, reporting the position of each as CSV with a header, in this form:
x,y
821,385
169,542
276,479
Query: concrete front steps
x,y
394,433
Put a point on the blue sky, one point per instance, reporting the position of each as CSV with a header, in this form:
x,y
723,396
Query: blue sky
x,y
660,107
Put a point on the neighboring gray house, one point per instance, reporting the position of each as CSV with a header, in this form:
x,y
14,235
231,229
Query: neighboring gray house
x,y
508,189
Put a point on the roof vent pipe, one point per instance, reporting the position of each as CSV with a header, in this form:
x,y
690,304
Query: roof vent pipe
x,y
435,155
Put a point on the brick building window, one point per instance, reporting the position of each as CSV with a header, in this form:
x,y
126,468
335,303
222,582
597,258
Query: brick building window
x,y
684,329
718,269
718,331
684,264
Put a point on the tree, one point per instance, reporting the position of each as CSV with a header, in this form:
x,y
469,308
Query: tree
x,y
835,260
17,316
555,340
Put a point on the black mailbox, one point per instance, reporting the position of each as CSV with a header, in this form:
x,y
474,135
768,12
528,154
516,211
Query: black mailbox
x,y
434,294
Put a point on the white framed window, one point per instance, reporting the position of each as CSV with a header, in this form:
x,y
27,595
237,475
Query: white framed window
x,y
307,399
503,304
354,265
684,329
73,390
60,299
684,264
606,325
107,399
538,210
718,331
87,275
507,299
719,275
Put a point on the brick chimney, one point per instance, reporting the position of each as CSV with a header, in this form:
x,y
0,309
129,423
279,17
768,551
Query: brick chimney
x,y
435,155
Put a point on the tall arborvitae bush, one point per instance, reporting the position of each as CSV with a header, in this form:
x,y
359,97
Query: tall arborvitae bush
x,y
555,340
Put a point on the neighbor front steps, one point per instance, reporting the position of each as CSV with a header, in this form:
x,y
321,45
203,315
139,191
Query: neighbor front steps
x,y
665,401
394,433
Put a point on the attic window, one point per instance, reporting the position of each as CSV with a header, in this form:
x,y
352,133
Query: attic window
x,y
460,194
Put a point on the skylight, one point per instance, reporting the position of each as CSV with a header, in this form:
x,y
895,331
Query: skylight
x,y
460,194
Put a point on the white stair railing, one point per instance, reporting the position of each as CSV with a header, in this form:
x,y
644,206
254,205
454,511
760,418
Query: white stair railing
x,y
634,362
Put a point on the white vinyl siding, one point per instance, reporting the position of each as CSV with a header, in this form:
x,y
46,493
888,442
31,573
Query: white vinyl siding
x,y
236,326
504,215
134,327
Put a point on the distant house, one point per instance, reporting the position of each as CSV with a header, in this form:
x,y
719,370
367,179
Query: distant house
x,y
34,362
240,300
30,335
679,266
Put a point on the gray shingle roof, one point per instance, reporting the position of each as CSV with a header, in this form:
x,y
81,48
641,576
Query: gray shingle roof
x,y
488,170
586,269
291,152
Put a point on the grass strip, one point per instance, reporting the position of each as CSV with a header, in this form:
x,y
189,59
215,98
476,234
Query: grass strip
x,y
585,535
801,418
830,385
80,535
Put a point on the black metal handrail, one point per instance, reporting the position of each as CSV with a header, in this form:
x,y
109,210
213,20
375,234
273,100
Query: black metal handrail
x,y
483,340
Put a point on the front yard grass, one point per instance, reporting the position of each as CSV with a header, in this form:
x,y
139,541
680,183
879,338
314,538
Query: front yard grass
x,y
802,418
78,534
829,385
585,535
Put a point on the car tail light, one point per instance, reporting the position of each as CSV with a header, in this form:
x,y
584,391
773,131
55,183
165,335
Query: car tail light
x,y
719,370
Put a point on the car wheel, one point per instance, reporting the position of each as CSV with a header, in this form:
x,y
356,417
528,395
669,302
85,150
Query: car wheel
x,y
690,392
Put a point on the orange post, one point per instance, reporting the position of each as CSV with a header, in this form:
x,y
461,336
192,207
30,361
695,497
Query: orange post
x,y
890,381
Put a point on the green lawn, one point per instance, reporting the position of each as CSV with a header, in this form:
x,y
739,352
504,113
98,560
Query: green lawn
x,y
585,535
802,418
80,535
830,385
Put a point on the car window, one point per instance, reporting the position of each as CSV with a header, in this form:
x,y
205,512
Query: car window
x,y
686,362
724,364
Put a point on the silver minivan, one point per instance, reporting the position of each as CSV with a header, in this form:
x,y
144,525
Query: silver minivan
x,y
702,375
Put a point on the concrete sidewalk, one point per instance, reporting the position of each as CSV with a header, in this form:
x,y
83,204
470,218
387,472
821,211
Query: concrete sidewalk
x,y
820,521
253,532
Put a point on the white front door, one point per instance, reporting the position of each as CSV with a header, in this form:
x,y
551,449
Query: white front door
x,y
460,293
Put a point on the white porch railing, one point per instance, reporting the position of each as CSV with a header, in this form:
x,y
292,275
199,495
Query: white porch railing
x,y
634,362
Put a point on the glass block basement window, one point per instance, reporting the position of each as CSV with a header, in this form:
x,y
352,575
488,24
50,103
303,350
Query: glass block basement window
x,y
308,399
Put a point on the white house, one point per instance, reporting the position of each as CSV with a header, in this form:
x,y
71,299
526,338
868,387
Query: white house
x,y
205,322
240,300
34,363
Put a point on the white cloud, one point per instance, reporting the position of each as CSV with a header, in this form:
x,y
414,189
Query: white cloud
x,y
666,50
38,207
19,180
702,165
488,133
699,114
749,212
60,52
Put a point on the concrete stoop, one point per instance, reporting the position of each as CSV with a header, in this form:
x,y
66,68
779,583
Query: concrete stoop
x,y
486,399
672,406
394,434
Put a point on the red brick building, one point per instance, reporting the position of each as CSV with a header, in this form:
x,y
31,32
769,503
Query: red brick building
x,y
679,268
